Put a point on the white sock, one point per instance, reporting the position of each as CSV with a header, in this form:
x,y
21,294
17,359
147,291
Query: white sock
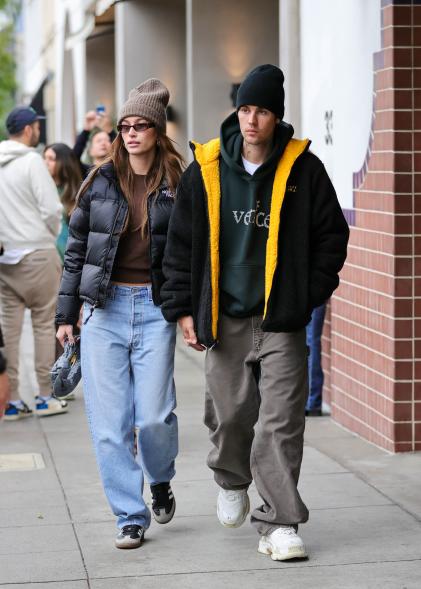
x,y
45,398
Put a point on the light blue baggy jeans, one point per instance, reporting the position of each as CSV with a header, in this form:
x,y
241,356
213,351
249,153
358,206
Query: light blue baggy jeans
x,y
127,351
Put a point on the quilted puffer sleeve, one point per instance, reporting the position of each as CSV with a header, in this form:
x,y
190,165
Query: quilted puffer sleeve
x,y
176,291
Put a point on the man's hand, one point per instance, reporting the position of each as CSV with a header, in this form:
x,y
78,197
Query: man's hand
x,y
65,333
4,393
187,327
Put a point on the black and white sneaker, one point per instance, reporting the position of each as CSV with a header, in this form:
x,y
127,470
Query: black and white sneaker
x,y
163,503
130,536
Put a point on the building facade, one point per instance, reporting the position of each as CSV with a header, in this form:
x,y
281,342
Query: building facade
x,y
353,87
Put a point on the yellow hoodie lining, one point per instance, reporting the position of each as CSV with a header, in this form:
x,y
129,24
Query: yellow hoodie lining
x,y
207,156
294,148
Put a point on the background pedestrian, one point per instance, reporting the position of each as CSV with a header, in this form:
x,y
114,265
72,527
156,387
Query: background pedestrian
x,y
30,215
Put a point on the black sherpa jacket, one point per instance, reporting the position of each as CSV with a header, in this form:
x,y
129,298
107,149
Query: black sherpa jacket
x,y
94,232
306,246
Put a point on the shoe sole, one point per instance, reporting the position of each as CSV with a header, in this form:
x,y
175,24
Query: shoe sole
x,y
129,546
167,516
265,548
17,417
52,412
240,521
68,397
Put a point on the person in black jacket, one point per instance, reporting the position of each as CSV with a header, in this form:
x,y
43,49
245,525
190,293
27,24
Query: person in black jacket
x,y
255,243
98,134
117,235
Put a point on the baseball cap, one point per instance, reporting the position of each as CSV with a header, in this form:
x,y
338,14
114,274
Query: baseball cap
x,y
21,116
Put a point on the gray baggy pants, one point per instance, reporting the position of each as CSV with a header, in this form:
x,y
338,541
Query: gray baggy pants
x,y
256,391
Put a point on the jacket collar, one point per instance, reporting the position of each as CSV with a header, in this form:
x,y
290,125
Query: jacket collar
x,y
108,171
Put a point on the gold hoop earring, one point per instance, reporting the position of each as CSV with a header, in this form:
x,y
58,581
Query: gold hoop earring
x,y
158,143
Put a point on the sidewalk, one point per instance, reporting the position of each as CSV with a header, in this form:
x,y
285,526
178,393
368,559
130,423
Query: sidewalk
x,y
56,530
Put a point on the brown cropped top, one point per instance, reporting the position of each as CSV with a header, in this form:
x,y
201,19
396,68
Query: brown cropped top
x,y
132,261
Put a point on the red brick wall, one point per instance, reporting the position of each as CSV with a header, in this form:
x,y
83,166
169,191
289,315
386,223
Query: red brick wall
x,y
372,339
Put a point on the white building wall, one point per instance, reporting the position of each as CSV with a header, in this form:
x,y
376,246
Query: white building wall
x,y
338,40
150,42
290,60
33,71
100,72
73,25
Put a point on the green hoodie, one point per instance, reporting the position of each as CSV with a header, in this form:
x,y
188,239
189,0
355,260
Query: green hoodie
x,y
245,206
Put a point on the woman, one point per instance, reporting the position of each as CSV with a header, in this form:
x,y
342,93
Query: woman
x,y
113,262
65,171
97,134
99,146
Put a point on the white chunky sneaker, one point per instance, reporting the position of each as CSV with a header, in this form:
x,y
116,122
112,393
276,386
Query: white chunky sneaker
x,y
283,544
233,507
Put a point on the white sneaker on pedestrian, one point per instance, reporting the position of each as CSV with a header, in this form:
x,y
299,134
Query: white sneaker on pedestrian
x,y
233,507
130,536
49,406
283,544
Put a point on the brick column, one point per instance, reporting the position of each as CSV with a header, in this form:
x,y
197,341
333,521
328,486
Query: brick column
x,y
375,321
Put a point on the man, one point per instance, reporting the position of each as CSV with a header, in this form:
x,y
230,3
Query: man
x,y
256,241
4,381
30,213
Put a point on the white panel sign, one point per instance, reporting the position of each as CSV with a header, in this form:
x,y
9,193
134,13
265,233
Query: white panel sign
x,y
338,39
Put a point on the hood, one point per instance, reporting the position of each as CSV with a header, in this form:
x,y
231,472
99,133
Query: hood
x,y
11,150
232,143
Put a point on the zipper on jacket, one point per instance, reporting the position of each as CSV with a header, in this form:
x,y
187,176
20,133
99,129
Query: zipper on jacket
x,y
148,216
106,256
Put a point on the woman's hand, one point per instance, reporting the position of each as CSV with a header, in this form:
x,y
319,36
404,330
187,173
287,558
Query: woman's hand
x,y
65,333
187,327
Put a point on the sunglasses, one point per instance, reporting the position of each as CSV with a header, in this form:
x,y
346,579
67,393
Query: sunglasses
x,y
138,127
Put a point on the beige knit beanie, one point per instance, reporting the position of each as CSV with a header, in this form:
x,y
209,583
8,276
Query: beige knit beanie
x,y
148,100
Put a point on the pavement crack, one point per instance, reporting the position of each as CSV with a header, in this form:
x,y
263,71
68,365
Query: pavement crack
x,y
275,566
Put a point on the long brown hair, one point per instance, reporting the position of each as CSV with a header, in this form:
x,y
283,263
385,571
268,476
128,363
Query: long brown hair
x,y
167,167
67,174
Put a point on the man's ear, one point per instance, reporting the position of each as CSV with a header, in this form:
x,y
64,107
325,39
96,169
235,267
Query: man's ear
x,y
278,121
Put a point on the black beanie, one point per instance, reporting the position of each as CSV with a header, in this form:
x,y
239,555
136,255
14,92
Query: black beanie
x,y
264,87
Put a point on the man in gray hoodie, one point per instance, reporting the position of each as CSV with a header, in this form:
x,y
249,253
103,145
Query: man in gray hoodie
x,y
30,269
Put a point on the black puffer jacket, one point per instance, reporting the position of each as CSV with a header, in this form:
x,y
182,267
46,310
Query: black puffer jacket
x,y
94,232
311,240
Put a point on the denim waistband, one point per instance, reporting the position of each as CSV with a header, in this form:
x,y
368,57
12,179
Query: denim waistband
x,y
118,290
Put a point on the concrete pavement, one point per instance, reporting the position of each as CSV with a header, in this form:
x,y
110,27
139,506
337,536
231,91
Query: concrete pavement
x,y
56,530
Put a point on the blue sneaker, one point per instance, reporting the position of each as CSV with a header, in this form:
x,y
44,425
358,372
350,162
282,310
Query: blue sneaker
x,y
49,406
17,411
